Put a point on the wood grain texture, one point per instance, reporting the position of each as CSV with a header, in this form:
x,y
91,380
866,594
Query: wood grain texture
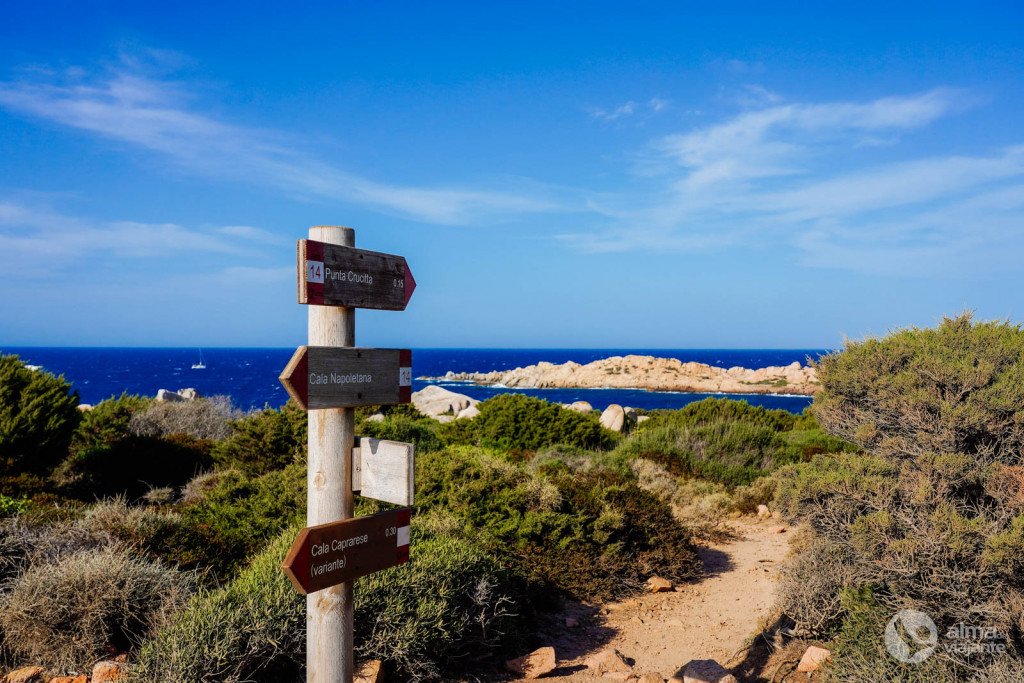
x,y
329,613
387,471
333,275
319,377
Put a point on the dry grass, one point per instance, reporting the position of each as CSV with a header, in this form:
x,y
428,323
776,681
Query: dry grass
x,y
204,418
93,602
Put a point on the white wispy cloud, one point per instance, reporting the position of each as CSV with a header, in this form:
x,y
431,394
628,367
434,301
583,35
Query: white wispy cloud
x,y
652,106
38,240
779,172
164,117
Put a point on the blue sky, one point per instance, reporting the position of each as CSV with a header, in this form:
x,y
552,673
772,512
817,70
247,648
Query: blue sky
x,y
557,174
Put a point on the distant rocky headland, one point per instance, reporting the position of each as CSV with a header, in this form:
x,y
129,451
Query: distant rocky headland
x,y
651,373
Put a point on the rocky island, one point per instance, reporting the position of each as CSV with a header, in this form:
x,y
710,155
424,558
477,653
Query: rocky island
x,y
651,373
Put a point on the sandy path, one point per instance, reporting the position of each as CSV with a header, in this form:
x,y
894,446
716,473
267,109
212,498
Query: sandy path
x,y
709,619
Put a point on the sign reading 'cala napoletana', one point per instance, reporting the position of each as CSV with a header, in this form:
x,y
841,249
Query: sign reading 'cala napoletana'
x,y
337,377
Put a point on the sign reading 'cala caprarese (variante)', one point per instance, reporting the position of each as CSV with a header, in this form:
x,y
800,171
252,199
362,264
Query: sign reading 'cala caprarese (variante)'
x,y
329,554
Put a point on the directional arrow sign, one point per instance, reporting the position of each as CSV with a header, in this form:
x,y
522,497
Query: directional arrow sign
x,y
329,554
333,275
329,377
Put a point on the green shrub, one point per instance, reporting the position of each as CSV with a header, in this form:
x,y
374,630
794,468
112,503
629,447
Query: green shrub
x,y
700,506
251,630
419,431
450,606
108,422
590,532
956,388
38,415
68,614
268,440
726,441
517,421
132,466
12,506
929,518
236,518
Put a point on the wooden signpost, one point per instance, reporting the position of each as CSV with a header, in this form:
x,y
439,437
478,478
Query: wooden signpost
x,y
334,275
328,377
329,554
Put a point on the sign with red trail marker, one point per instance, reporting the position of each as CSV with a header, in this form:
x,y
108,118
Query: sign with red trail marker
x,y
343,377
334,275
326,555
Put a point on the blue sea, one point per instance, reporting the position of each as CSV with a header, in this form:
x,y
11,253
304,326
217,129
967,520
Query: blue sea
x,y
249,375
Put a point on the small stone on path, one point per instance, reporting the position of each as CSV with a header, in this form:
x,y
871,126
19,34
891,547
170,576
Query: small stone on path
x,y
609,660
656,584
813,658
534,665
26,674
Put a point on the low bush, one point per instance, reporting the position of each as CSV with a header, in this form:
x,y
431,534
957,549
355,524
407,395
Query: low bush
x,y
419,431
267,440
726,441
38,415
450,606
520,422
700,506
237,517
132,466
10,505
68,614
931,517
108,422
588,531
955,388
203,418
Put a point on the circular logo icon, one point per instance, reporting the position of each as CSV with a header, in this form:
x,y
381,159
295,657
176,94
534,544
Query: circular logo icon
x,y
911,636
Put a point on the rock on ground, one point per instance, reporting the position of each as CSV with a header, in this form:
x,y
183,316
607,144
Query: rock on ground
x,y
469,413
656,584
609,660
613,418
26,674
813,658
580,407
703,671
435,401
108,672
534,665
80,678
168,396
370,672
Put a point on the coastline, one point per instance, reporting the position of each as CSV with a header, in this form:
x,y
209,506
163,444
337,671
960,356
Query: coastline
x,y
649,373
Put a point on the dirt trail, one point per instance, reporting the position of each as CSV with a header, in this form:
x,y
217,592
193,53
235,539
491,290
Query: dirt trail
x,y
709,619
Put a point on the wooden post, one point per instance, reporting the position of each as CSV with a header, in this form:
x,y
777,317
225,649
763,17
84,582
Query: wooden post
x,y
329,491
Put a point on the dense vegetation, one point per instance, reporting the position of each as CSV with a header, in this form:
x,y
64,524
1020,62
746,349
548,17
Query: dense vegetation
x,y
930,516
906,477
38,415
517,508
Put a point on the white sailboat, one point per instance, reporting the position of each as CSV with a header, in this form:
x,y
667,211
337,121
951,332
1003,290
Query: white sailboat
x,y
200,365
